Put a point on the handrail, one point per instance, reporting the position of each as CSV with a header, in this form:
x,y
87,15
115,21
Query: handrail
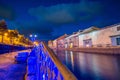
x,y
67,75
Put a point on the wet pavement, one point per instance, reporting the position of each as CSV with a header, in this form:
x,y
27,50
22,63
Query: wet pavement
x,y
9,69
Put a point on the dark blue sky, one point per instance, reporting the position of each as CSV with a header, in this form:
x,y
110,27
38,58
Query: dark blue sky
x,y
52,18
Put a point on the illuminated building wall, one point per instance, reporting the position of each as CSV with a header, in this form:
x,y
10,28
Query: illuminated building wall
x,y
60,41
50,43
69,41
88,39
66,43
101,38
12,37
72,40
76,41
54,44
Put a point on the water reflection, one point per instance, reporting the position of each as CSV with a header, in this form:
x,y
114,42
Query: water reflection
x,y
91,66
81,63
72,60
66,57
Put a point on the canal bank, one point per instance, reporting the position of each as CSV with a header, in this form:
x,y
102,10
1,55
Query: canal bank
x,y
101,50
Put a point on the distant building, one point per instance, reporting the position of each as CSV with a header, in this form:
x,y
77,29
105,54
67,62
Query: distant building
x,y
50,43
60,41
88,36
72,41
94,37
57,43
54,44
12,37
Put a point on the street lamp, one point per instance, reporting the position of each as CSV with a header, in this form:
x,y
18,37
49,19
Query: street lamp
x,y
33,37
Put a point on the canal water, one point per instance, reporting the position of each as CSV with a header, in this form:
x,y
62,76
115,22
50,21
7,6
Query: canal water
x,y
87,66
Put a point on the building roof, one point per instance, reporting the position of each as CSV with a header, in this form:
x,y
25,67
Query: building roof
x,y
118,24
93,28
88,30
62,37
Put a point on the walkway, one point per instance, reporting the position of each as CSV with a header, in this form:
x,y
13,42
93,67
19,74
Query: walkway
x,y
9,70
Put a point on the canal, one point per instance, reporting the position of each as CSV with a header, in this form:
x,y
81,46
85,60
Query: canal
x,y
87,66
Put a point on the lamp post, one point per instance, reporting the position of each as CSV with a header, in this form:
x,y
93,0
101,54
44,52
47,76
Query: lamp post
x,y
33,37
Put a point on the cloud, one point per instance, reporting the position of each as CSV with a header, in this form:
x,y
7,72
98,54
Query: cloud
x,y
36,28
67,13
44,31
7,12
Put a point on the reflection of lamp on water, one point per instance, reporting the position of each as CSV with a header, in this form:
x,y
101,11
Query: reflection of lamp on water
x,y
66,57
72,60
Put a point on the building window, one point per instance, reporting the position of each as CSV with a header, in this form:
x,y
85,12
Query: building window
x,y
118,28
118,41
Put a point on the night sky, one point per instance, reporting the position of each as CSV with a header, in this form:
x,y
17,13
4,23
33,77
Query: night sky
x,y
50,19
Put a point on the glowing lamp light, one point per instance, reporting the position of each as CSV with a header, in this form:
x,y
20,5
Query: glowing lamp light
x,y
6,34
36,43
31,35
35,35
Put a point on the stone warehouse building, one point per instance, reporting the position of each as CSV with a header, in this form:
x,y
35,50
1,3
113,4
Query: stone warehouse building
x,y
72,40
105,37
91,37
57,43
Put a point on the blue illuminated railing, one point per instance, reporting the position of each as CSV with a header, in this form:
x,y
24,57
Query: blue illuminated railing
x,y
43,64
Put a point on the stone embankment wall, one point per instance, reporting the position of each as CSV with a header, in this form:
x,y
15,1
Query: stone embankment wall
x,y
109,50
